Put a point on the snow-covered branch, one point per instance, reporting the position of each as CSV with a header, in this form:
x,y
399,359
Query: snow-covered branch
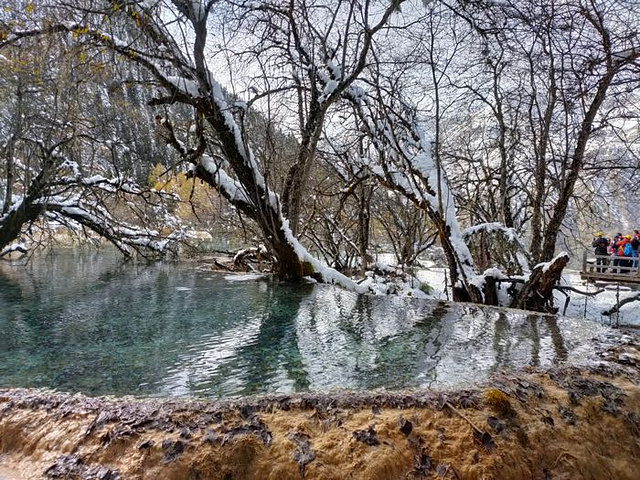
x,y
15,247
507,233
401,159
99,220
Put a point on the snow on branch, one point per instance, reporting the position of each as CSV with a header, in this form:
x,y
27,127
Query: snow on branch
x,y
329,275
184,85
207,169
97,219
113,185
509,234
545,266
81,202
402,160
231,189
16,247
491,227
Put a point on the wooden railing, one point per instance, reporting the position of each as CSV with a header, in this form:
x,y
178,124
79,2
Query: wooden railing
x,y
610,267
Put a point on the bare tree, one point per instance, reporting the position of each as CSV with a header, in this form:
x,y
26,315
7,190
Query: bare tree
x,y
59,169
558,73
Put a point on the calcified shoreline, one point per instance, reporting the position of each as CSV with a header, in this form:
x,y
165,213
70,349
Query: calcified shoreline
x,y
565,422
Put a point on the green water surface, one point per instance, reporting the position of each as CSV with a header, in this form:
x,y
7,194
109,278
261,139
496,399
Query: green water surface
x,y
88,322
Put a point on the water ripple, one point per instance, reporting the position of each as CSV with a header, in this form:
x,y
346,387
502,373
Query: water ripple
x,y
90,323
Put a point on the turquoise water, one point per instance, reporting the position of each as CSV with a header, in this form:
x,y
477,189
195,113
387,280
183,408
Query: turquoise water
x,y
88,322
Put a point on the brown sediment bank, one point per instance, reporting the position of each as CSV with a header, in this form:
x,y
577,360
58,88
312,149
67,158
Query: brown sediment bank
x,y
561,423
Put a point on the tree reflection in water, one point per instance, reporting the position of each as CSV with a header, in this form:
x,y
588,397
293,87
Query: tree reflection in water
x,y
87,322
540,335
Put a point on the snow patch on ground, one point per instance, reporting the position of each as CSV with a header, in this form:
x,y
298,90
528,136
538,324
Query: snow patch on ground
x,y
593,307
436,278
580,306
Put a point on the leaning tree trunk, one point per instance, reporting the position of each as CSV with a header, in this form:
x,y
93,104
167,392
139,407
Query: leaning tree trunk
x,y
28,211
463,290
289,264
268,217
12,223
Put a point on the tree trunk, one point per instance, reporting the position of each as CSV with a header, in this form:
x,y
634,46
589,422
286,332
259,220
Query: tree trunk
x,y
8,193
577,162
298,174
9,151
11,227
505,205
541,168
537,293
614,63
364,216
28,211
465,291
289,263
490,292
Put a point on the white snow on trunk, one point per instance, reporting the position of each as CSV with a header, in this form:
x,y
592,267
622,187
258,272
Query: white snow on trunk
x,y
231,188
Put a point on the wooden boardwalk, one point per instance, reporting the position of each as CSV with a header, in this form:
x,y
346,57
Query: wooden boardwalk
x,y
607,271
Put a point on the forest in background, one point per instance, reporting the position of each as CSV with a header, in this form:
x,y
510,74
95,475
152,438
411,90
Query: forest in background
x,y
491,134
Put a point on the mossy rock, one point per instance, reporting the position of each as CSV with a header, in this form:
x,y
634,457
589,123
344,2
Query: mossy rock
x,y
497,400
307,269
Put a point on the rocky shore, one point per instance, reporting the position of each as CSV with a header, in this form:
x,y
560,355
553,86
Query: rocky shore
x,y
566,422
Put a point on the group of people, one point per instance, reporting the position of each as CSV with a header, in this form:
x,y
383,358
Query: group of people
x,y
623,249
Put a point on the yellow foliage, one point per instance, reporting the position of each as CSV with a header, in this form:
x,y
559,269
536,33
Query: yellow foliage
x,y
97,68
193,194
80,31
30,8
307,269
136,17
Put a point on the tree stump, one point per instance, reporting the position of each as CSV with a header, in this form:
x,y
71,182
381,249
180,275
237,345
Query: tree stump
x,y
537,293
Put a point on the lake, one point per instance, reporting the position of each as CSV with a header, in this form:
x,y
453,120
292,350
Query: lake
x,y
88,322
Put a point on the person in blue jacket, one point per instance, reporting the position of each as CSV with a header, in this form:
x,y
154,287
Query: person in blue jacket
x,y
635,243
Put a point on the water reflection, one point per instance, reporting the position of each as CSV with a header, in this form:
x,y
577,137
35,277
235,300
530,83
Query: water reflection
x,y
87,322
538,336
259,354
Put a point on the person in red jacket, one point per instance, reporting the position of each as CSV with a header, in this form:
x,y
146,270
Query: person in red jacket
x,y
612,245
624,253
